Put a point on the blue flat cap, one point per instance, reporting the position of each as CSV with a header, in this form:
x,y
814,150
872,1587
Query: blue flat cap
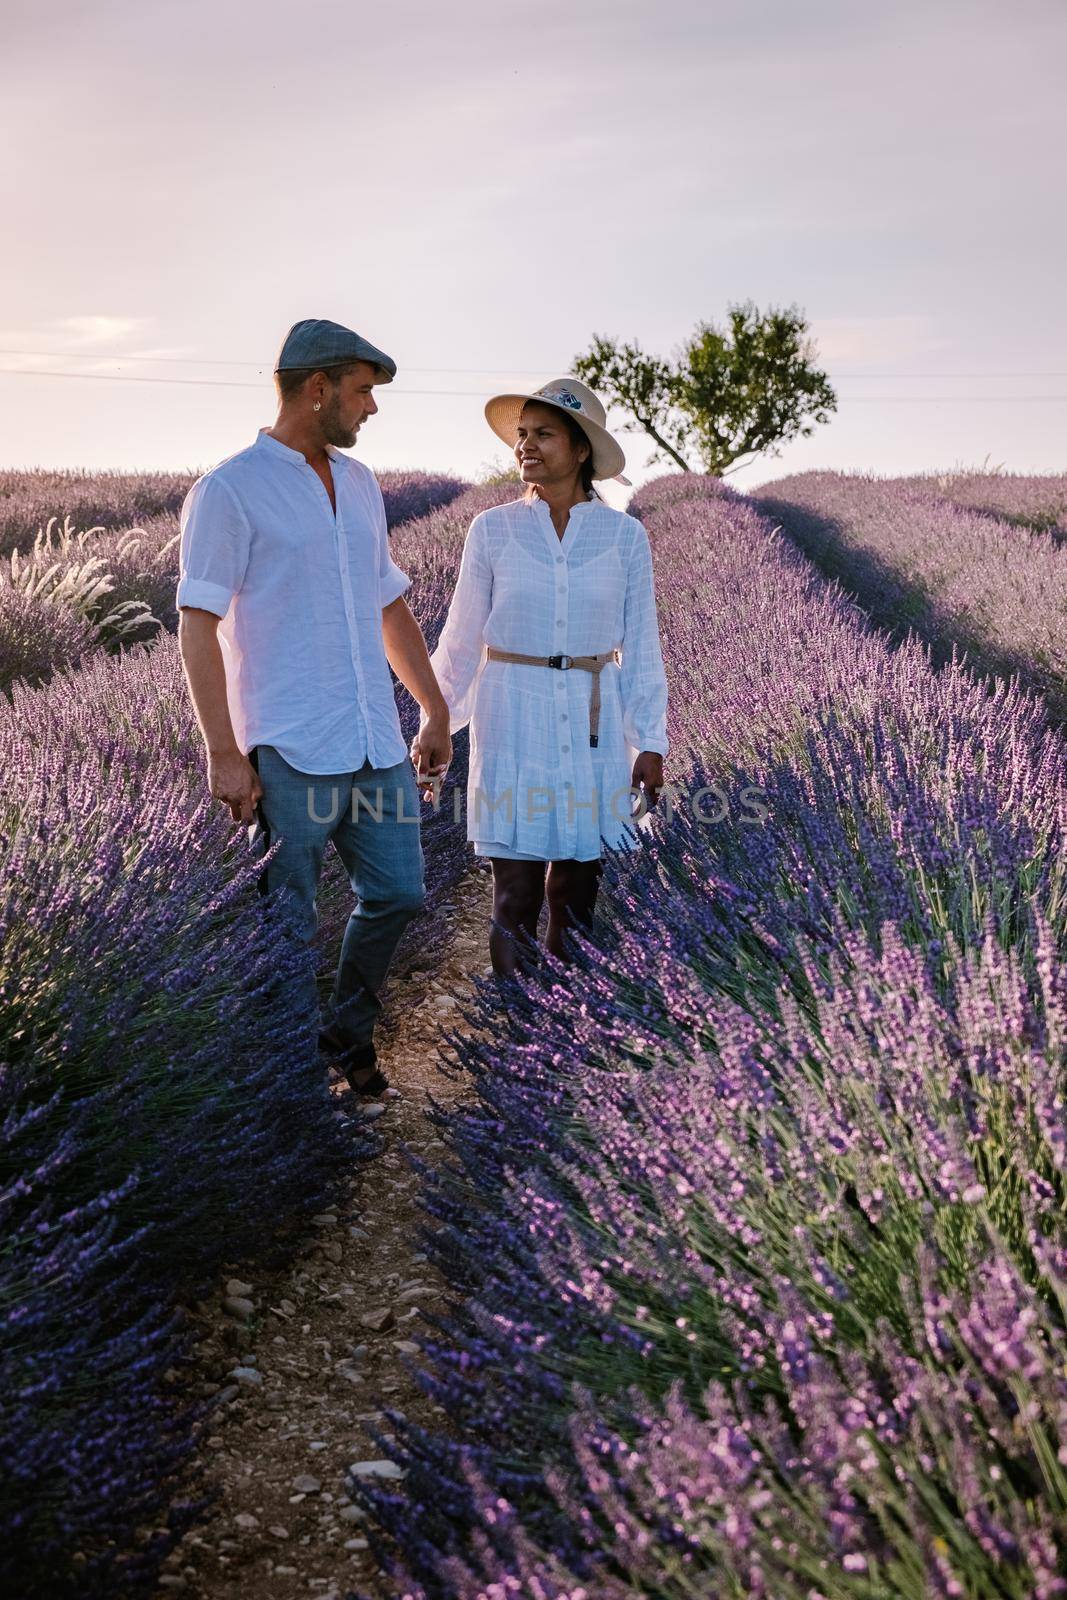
x,y
317,343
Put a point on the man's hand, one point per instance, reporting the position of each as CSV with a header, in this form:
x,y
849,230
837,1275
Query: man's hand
x,y
431,753
648,771
234,780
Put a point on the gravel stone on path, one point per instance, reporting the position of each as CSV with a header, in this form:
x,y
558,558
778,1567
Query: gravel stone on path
x,y
310,1372
375,1469
379,1319
239,1307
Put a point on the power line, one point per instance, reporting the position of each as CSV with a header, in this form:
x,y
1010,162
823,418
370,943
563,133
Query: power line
x,y
949,399
842,373
489,372
197,383
477,394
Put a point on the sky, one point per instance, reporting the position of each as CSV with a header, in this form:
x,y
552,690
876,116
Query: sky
x,y
479,188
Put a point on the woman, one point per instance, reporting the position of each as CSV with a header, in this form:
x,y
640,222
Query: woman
x,y
551,588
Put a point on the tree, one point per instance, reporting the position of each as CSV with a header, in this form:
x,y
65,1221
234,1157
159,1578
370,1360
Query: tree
x,y
724,395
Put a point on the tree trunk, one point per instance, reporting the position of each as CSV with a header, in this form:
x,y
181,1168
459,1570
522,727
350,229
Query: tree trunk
x,y
657,439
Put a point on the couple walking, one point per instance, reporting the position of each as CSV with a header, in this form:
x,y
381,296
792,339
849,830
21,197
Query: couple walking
x,y
291,613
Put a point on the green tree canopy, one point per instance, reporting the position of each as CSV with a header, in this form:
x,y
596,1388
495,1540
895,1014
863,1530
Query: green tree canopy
x,y
724,395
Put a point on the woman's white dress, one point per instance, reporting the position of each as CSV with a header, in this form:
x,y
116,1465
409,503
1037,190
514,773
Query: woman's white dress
x,y
536,788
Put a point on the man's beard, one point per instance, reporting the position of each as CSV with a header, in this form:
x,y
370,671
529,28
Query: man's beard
x,y
335,432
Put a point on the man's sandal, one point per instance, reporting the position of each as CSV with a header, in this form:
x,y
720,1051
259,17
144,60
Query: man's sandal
x,y
354,1059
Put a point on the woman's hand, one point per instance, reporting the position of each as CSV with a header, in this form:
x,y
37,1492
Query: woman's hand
x,y
648,774
431,753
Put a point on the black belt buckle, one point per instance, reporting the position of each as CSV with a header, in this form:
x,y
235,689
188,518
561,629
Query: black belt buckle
x,y
562,661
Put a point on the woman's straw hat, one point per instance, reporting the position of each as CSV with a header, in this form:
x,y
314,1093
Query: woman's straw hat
x,y
580,403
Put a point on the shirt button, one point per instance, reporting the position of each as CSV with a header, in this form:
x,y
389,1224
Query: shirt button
x,y
565,748
564,716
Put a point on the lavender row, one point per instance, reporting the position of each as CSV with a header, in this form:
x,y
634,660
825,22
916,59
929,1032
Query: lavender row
x,y
1038,501
960,578
784,1150
409,495
29,500
161,1103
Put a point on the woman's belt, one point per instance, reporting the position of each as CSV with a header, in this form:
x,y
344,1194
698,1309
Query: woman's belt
x,y
593,664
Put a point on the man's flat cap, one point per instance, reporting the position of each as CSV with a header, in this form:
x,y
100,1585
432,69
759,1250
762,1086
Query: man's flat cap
x,y
316,343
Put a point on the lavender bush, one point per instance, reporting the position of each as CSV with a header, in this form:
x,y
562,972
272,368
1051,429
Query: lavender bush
x,y
958,577
674,489
758,1215
1038,502
409,495
94,1441
36,640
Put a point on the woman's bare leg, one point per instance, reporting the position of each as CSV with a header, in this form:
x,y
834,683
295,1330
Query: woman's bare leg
x,y
518,894
572,891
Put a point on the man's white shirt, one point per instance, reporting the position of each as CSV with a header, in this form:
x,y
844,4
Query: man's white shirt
x,y
300,592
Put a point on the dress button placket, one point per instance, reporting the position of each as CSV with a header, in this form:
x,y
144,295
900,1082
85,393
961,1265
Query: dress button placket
x,y
561,591
568,826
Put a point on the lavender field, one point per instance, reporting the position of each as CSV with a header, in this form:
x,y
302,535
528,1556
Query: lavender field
x,y
972,566
757,1225
755,1217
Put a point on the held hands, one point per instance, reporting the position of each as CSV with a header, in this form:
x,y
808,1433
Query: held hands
x,y
648,773
431,753
234,780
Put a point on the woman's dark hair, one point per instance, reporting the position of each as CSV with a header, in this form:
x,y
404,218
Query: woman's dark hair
x,y
578,436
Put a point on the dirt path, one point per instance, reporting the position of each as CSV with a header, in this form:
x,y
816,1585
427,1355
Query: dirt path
x,y
306,1357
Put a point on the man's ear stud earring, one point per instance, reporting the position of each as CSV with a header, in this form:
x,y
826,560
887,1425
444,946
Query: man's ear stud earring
x,y
317,406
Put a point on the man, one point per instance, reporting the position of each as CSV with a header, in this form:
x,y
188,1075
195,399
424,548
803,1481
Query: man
x,y
290,615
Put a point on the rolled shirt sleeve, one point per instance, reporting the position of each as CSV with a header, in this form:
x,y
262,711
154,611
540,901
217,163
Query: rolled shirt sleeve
x,y
459,651
214,546
393,581
643,681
